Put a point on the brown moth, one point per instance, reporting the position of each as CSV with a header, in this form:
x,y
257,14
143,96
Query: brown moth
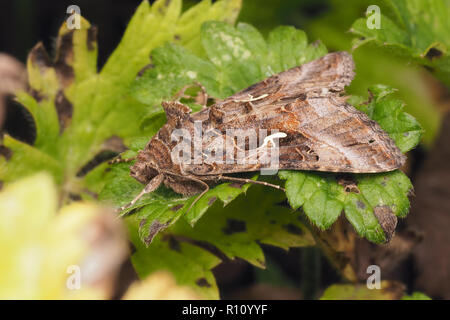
x,y
302,106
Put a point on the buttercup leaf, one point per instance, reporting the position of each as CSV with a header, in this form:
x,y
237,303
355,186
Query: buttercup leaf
x,y
82,114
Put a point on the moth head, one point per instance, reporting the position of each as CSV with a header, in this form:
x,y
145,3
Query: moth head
x,y
176,112
144,172
145,168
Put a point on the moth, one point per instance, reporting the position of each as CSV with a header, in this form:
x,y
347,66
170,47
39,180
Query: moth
x,y
303,107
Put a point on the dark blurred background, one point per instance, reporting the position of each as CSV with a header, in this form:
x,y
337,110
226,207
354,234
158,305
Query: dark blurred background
x,y
420,256
25,22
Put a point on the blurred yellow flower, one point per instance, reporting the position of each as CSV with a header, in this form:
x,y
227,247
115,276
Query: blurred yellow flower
x,y
159,286
73,254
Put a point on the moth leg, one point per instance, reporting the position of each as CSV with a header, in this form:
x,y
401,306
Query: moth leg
x,y
200,195
118,159
150,187
193,179
182,93
251,181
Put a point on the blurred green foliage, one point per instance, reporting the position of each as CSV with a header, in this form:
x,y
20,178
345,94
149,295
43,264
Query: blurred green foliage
x,y
416,29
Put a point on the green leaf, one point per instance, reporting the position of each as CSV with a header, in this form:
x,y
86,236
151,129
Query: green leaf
x,y
46,120
253,218
227,49
235,231
319,194
421,31
237,58
176,67
401,127
161,208
22,160
289,47
323,198
191,21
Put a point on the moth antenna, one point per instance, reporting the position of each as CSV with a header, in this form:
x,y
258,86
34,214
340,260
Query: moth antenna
x,y
205,95
182,93
341,99
118,159
252,181
150,187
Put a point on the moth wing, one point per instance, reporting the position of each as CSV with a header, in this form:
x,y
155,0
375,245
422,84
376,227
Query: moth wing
x,y
333,136
331,73
322,134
